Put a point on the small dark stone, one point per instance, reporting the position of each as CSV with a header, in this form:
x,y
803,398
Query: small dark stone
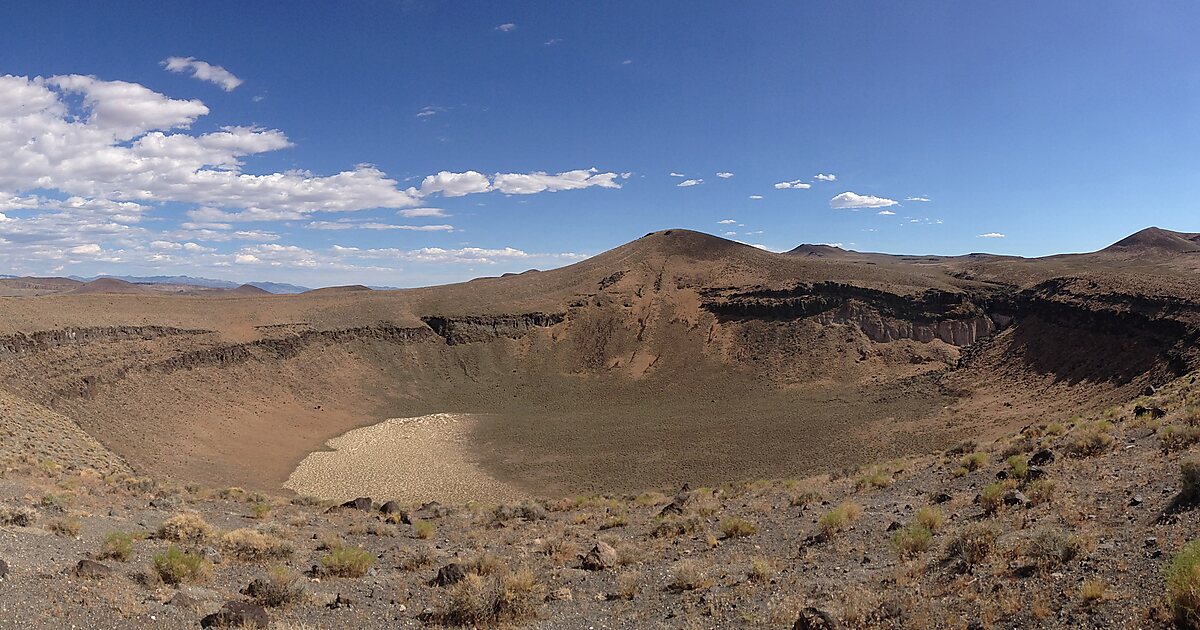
x,y
893,526
3,570
452,573
237,615
1002,475
1042,457
339,602
1136,501
1015,497
92,569
1035,472
391,507
601,557
941,497
361,503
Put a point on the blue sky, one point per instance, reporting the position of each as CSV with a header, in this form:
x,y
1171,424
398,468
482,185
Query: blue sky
x,y
1061,126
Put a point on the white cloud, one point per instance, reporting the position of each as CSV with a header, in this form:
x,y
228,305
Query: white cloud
x,y
886,213
455,184
674,174
204,71
430,110
853,201
90,248
727,221
799,184
411,213
370,225
690,182
756,197
825,177
724,174
991,235
553,41
530,183
626,62
916,198
507,27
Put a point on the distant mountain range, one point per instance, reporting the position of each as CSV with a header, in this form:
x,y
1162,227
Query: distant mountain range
x,y
210,283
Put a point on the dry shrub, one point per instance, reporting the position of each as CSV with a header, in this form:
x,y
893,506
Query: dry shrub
x,y
1092,591
912,540
252,545
839,518
974,461
18,515
991,498
1091,440
1183,585
628,585
185,528
1040,491
931,517
737,527
560,549
281,587
504,598
423,530
65,527
116,546
349,562
761,570
689,575
1051,548
670,527
1189,472
177,567
973,544
419,559
1176,438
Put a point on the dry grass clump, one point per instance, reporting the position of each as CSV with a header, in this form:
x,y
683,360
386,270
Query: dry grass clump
x,y
504,598
973,544
1090,440
420,558
671,527
1176,438
689,575
251,545
1050,549
261,510
349,562
560,549
1092,591
1018,466
117,546
912,540
1189,473
628,586
839,518
423,530
18,515
931,517
876,478
281,587
1183,585
1040,491
614,521
174,566
737,527
974,461
761,570
66,527
185,528
991,498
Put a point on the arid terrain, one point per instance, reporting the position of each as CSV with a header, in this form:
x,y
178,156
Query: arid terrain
x,y
744,438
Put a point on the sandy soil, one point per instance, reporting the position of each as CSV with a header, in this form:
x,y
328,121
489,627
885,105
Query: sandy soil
x,y
407,459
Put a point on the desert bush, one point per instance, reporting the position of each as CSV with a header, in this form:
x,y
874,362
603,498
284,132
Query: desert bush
x,y
1189,473
962,448
1177,438
281,587
646,499
839,518
1092,591
487,564
761,570
508,598
116,546
174,566
991,498
1091,440
877,478
187,528
1018,466
18,515
423,529
973,544
347,562
669,527
65,527
261,510
560,549
1040,491
307,500
1183,585
912,540
974,461
1055,428
252,545
737,527
1051,548
614,521
628,585
931,517
689,575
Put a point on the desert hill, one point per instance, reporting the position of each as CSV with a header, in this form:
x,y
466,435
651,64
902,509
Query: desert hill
x,y
622,370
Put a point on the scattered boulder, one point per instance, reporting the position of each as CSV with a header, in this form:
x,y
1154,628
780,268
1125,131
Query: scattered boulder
x,y
391,507
601,557
893,526
338,602
1015,497
1034,472
91,569
1042,457
237,615
452,573
941,497
433,509
211,554
361,503
3,570
815,619
1154,412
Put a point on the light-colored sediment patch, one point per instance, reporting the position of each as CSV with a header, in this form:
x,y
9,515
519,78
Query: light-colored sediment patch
x,y
406,459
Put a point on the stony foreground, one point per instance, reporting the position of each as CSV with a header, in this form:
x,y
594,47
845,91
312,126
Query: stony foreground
x,y
1070,525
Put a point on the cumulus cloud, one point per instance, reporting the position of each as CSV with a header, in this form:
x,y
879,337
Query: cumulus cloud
x,y
916,198
727,221
690,182
825,177
799,184
854,201
204,71
507,27
371,225
724,174
530,183
991,235
455,184
674,174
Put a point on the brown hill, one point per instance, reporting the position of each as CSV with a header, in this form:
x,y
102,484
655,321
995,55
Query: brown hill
x,y
248,290
30,286
1154,240
677,357
108,285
